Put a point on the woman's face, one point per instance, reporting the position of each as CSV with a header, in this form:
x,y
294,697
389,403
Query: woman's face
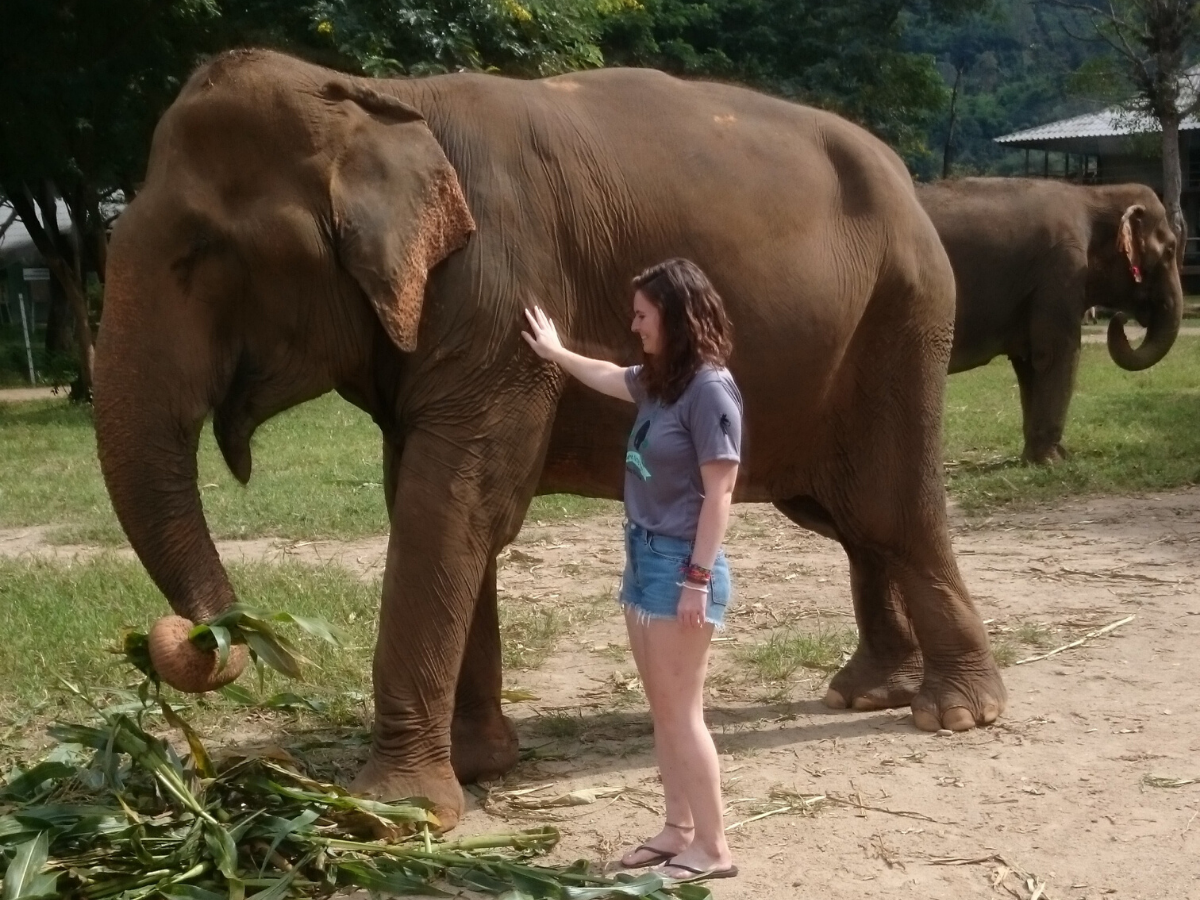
x,y
647,323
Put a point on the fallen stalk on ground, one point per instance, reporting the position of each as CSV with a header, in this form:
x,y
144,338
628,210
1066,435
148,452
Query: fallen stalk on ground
x,y
1099,632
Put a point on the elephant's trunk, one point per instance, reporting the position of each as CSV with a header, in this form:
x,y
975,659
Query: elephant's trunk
x,y
147,438
1161,331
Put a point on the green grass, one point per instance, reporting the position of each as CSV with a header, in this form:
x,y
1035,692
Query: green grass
x,y
317,468
317,475
1127,432
1010,645
784,652
62,619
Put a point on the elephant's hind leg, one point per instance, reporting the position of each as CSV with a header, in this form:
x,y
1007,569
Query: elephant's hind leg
x,y
886,667
883,487
483,741
885,670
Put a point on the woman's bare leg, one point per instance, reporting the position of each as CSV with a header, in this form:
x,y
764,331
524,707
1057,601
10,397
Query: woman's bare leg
x,y
676,834
675,661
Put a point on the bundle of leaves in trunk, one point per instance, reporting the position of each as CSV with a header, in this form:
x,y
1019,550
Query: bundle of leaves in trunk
x,y
114,812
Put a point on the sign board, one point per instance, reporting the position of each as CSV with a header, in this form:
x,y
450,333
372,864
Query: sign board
x,y
36,274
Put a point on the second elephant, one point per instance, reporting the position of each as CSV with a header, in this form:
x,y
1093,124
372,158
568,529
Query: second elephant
x,y
1029,257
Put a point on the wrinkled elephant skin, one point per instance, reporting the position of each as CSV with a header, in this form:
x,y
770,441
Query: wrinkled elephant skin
x,y
301,231
1031,258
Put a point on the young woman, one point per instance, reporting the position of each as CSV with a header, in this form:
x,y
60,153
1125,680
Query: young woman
x,y
680,467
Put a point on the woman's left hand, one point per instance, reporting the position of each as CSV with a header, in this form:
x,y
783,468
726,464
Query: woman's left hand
x,y
693,604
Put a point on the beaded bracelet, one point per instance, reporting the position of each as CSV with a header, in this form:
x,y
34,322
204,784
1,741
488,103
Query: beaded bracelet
x,y
697,574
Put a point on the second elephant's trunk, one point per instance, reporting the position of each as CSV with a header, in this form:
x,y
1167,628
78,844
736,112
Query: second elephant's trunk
x,y
1161,331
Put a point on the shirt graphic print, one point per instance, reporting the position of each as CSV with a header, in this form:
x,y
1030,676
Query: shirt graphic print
x,y
633,457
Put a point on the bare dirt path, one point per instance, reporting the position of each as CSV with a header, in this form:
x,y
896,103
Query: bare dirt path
x,y
1068,797
16,395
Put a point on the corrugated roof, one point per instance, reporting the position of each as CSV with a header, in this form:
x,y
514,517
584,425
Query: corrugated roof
x,y
16,244
1112,122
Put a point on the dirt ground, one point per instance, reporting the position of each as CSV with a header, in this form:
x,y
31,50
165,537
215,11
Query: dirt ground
x,y
1080,791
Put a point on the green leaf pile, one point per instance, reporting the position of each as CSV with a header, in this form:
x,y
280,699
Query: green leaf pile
x,y
114,812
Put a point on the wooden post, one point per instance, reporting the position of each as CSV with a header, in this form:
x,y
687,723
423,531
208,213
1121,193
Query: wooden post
x,y
25,330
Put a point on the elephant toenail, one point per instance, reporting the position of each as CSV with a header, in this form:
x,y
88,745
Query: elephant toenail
x,y
834,699
958,719
926,720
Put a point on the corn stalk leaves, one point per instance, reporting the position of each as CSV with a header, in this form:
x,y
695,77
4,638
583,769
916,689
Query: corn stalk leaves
x,y
114,813
396,881
190,892
24,878
302,823
200,758
274,653
31,784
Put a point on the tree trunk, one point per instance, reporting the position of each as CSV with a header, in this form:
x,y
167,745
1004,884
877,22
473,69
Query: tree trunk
x,y
67,277
948,150
1173,183
62,261
59,322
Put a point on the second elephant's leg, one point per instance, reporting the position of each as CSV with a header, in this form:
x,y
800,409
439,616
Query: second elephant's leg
x,y
483,741
1047,380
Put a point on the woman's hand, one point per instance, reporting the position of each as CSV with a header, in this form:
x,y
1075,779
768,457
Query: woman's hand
x,y
693,604
544,340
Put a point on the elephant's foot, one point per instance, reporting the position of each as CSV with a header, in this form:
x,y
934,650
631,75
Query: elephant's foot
x,y
1044,455
870,682
483,748
961,696
381,780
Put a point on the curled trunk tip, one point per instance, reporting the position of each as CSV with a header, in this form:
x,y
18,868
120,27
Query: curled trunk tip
x,y
186,667
1160,336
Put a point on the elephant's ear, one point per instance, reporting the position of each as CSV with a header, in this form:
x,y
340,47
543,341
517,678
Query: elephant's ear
x,y
398,207
1130,240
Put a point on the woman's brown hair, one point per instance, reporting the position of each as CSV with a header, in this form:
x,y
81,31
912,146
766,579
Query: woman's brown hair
x,y
695,329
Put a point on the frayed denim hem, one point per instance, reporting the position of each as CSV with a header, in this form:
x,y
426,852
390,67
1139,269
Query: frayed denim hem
x,y
645,617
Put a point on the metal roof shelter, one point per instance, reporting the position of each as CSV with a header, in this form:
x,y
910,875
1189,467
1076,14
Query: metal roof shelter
x,y
1102,132
1094,134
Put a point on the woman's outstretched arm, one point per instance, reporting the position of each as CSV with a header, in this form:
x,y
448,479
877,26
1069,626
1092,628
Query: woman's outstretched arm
x,y
598,374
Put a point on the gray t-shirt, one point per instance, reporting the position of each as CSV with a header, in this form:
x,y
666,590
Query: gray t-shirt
x,y
663,488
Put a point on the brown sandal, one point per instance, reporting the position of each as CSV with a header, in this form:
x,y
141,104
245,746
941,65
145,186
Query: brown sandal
x,y
658,857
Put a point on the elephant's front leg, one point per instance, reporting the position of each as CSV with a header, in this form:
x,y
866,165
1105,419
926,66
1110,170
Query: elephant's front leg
x,y
1046,376
458,497
483,741
1046,382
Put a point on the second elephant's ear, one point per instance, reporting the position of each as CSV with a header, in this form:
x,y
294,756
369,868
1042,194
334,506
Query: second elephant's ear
x,y
398,207
1130,240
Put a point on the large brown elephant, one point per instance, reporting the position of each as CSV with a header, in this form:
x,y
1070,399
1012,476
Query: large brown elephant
x,y
1030,258
302,231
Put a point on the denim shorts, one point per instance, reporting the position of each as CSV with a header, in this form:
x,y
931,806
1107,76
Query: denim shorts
x,y
654,565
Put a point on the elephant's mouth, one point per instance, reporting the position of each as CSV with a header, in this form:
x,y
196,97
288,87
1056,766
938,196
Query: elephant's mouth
x,y
234,421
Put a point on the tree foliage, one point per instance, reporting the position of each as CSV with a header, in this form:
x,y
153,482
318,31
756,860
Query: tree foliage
x,y
849,57
1146,45
84,81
